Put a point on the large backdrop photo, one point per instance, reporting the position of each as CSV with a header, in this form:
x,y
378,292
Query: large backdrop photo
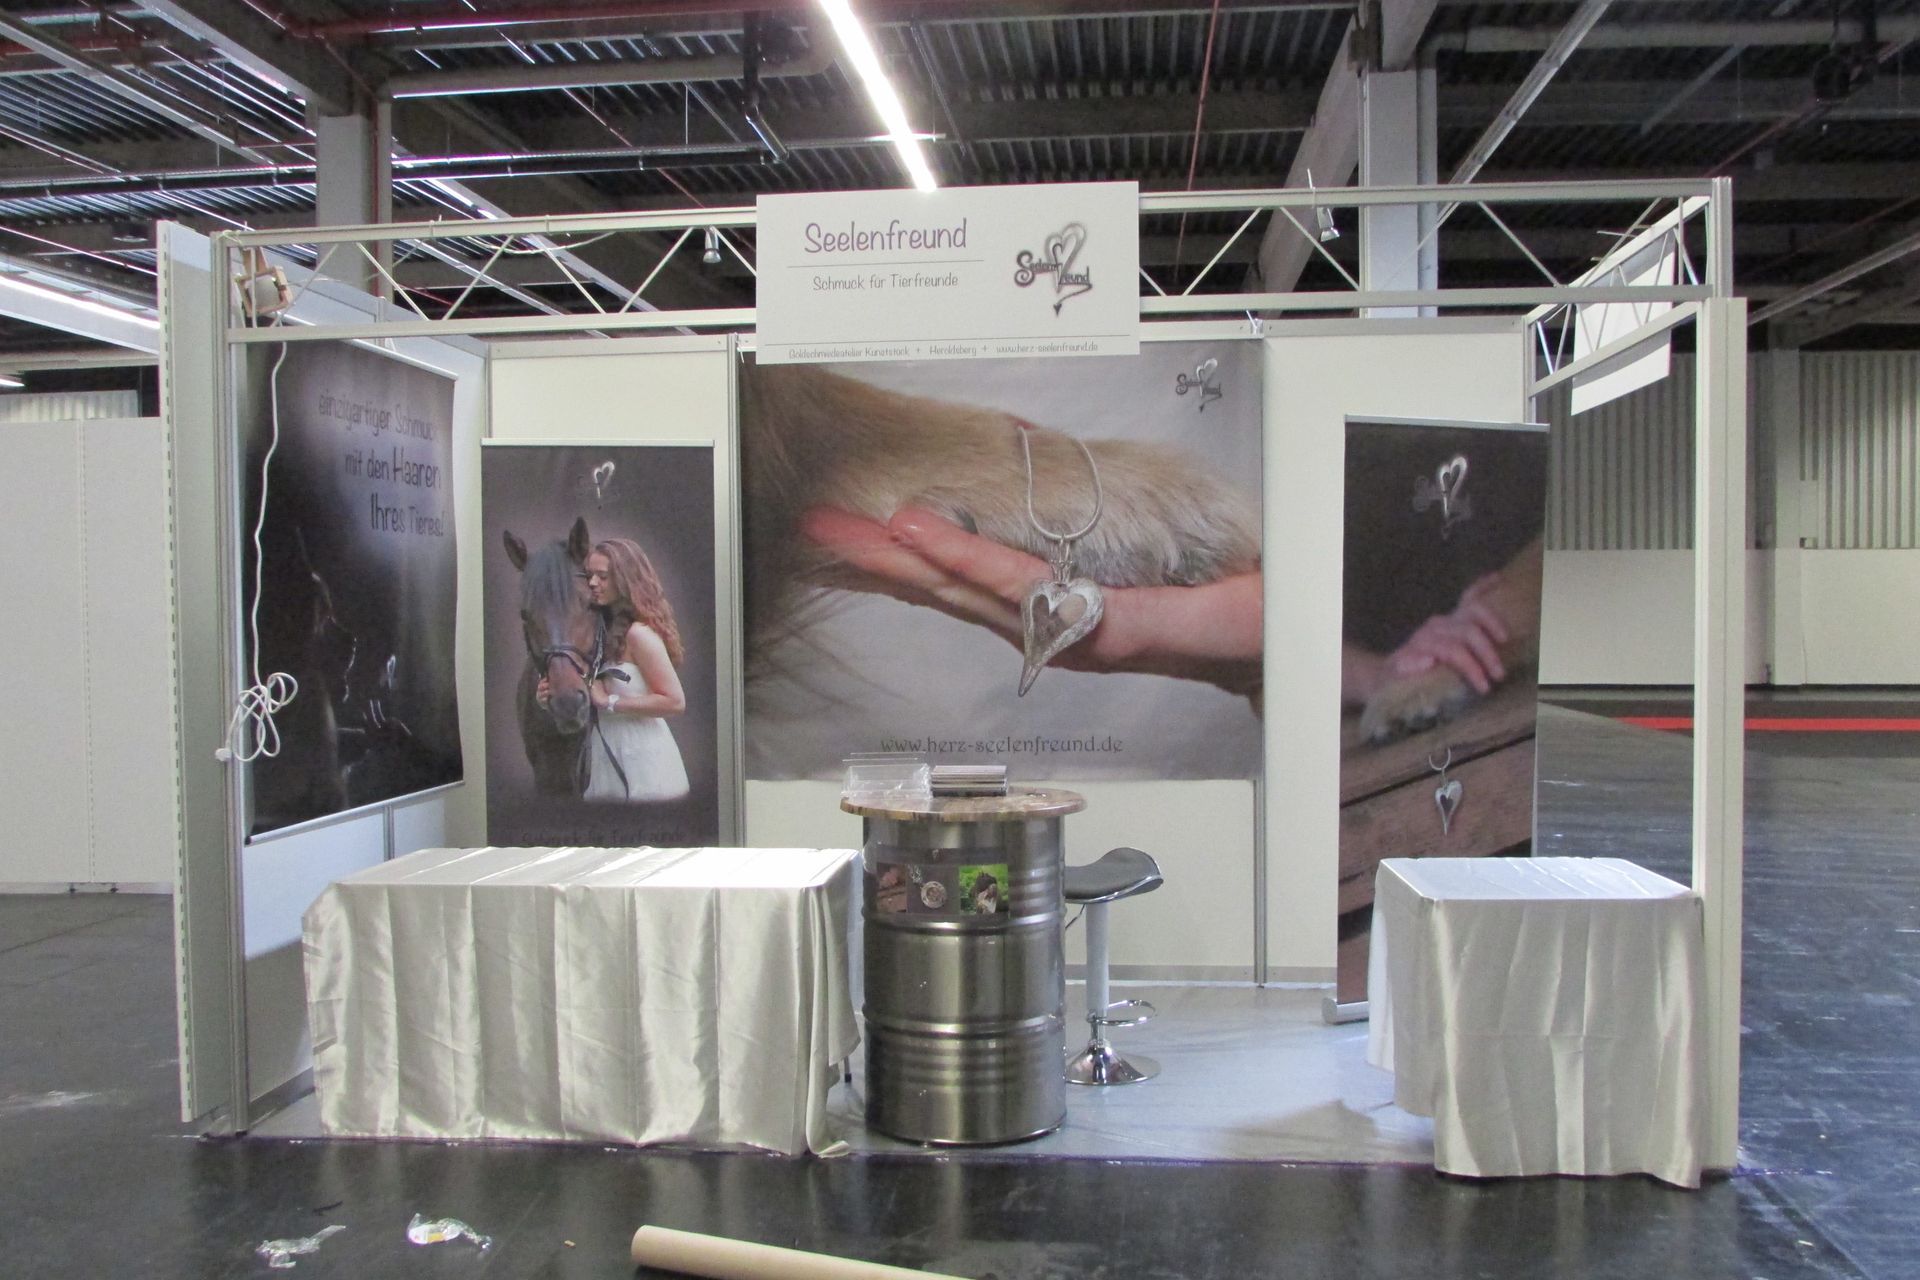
x,y
601,667
899,515
355,572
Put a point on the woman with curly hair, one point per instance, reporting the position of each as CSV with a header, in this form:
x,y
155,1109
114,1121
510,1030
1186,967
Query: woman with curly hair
x,y
635,758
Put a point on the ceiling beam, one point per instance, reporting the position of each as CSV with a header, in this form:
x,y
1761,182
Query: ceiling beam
x,y
243,36
1885,256
1887,305
1329,151
1542,72
165,103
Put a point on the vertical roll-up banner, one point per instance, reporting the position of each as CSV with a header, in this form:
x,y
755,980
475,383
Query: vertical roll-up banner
x,y
1445,523
601,668
357,573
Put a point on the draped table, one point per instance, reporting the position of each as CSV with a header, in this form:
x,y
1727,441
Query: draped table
x,y
1544,1011
693,996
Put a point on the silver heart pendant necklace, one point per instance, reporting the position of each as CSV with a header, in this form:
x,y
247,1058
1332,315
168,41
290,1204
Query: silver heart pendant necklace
x,y
1059,612
1446,796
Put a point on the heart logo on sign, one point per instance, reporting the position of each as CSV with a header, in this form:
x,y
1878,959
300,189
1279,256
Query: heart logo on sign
x,y
602,477
1448,488
1057,615
1202,380
1063,250
1446,798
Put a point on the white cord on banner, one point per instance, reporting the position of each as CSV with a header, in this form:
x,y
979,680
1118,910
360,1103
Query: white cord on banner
x,y
263,699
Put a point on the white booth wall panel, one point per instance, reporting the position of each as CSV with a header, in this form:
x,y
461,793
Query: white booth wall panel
x,y
1198,925
683,391
1861,615
134,827
1317,375
283,874
43,659
423,825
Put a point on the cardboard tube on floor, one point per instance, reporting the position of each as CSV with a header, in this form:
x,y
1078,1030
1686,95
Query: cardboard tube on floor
x,y
723,1259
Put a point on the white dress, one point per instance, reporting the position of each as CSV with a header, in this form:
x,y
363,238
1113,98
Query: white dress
x,y
644,748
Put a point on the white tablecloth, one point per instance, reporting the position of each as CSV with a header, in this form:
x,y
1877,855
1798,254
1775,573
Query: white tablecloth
x,y
1544,1011
634,995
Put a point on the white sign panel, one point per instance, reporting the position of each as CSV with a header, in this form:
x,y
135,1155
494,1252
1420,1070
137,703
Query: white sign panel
x,y
1595,325
953,274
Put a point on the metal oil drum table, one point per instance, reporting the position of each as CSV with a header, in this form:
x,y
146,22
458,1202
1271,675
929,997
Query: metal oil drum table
x,y
965,972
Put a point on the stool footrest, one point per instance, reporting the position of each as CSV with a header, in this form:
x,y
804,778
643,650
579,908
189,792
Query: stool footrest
x,y
1102,1019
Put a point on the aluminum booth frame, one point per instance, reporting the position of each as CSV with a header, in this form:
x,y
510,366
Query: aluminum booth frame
x,y
212,967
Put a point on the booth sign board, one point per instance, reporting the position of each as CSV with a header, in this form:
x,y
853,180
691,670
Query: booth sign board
x,y
949,275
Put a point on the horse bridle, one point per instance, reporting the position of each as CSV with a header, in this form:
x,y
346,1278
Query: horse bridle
x,y
591,666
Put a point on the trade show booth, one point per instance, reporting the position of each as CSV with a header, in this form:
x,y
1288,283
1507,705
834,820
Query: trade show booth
x,y
625,585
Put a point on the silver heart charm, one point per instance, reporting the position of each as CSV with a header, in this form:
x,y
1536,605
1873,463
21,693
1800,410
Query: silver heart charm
x,y
1056,616
1446,798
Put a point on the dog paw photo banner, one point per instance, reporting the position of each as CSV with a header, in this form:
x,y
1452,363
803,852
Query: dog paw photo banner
x,y
1053,563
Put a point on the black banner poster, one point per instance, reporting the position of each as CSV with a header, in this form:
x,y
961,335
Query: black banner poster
x,y
357,575
1440,643
602,712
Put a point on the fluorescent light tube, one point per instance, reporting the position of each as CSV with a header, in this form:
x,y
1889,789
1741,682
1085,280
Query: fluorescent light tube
x,y
10,382
70,300
860,52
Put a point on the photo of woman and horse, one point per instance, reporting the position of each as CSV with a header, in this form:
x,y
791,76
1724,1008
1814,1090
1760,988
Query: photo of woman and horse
x,y
599,645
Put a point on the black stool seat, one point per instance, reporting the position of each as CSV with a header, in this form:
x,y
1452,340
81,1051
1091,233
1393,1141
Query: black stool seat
x,y
1116,874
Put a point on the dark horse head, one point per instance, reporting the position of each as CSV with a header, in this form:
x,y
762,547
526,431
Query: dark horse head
x,y
565,642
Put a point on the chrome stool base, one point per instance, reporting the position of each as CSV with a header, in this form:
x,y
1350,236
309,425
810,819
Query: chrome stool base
x,y
1099,1064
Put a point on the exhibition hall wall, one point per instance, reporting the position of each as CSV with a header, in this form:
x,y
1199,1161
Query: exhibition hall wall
x,y
1834,519
86,678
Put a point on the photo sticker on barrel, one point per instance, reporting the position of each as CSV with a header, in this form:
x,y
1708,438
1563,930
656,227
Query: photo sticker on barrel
x,y
984,889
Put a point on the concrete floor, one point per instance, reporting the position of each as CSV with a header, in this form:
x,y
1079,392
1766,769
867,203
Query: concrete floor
x,y
100,1179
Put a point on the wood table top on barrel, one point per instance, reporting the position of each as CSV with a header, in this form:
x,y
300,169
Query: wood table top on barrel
x,y
1017,804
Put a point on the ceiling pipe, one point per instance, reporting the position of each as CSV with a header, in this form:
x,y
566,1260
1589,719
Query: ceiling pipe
x,y
587,75
445,168
462,19
465,19
1672,35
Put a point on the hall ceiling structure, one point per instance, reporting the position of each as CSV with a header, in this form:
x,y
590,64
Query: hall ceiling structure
x,y
114,114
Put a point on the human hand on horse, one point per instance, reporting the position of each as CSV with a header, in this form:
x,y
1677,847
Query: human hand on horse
x,y
543,693
1210,632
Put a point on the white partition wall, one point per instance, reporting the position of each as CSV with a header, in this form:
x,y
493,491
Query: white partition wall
x,y
1319,374
242,994
86,770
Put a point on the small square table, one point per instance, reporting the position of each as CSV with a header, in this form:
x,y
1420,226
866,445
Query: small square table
x,y
1546,1012
694,996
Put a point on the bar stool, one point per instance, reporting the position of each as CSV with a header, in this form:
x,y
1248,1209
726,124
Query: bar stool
x,y
1116,874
